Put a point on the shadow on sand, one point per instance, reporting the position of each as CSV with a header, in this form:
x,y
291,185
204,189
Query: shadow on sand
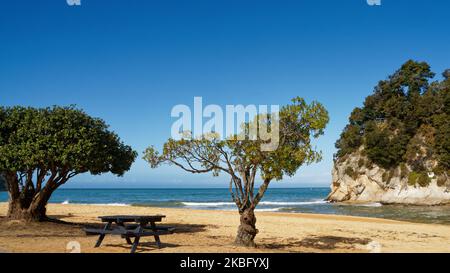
x,y
143,246
151,245
56,228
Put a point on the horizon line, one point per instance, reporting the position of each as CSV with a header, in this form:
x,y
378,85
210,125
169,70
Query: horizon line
x,y
182,188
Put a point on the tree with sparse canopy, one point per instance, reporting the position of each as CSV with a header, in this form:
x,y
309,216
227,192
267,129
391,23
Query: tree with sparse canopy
x,y
298,124
42,148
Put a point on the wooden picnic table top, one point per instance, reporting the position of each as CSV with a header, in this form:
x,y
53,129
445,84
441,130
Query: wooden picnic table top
x,y
132,218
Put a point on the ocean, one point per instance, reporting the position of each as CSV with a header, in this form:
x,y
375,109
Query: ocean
x,y
293,200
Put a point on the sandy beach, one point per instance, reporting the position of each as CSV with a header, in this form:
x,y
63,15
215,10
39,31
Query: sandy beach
x,y
214,231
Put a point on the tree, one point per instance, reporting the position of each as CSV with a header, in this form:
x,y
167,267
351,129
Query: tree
x,y
350,140
41,149
243,160
392,116
2,183
441,122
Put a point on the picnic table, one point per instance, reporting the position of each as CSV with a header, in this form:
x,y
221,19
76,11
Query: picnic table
x,y
131,226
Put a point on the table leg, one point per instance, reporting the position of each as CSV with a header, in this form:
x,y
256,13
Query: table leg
x,y
157,240
102,236
137,238
126,237
135,244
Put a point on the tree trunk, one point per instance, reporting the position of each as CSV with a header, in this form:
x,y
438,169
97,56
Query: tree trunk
x,y
247,229
29,208
29,203
17,211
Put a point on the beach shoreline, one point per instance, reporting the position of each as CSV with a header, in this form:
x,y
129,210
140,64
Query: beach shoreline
x,y
207,231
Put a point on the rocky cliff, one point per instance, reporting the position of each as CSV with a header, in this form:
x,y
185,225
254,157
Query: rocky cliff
x,y
355,179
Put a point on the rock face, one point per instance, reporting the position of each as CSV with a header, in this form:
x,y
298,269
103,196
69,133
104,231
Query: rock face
x,y
354,181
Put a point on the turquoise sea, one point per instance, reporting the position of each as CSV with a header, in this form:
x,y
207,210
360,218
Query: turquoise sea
x,y
299,200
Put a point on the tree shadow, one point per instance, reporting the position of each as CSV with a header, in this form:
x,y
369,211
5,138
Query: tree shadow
x,y
320,242
187,228
143,246
56,219
151,245
53,227
44,229
45,235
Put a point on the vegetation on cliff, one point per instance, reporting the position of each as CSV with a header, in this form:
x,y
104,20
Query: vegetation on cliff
x,y
406,121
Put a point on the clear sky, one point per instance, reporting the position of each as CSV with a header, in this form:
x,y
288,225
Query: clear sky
x,y
129,62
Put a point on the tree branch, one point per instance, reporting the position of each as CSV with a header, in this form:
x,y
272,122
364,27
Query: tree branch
x,y
252,180
13,185
40,178
192,170
235,199
260,194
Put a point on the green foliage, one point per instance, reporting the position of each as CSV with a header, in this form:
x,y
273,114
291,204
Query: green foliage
x,y
412,178
63,139
361,163
382,147
351,172
443,140
403,170
350,140
424,180
419,178
441,180
420,148
43,148
402,107
2,183
387,176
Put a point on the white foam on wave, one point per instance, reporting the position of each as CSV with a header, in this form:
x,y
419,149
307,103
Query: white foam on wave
x,y
224,204
112,204
67,202
207,204
269,210
265,203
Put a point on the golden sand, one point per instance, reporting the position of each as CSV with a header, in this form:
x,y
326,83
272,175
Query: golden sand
x,y
214,231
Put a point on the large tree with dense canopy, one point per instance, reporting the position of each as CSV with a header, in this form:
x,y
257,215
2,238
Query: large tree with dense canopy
x,y
243,160
2,183
43,148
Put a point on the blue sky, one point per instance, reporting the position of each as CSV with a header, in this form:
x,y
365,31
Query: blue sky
x,y
129,62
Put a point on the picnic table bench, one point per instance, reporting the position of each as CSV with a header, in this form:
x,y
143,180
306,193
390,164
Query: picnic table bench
x,y
131,226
